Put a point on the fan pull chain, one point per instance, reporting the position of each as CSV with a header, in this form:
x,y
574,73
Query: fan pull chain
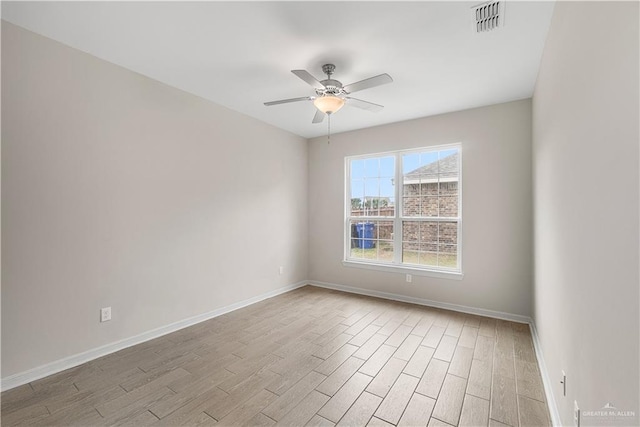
x,y
328,129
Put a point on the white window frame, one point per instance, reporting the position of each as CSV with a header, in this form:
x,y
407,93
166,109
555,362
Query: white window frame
x,y
397,266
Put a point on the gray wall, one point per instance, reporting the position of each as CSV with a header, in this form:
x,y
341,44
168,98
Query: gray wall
x,y
120,191
496,202
585,135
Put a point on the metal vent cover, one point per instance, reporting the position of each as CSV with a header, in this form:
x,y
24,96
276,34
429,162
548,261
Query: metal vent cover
x,y
488,16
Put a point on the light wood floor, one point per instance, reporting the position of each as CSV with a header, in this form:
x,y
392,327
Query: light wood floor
x,y
308,357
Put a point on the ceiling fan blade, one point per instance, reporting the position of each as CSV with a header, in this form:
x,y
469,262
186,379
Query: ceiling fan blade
x,y
319,117
365,105
284,101
304,75
368,83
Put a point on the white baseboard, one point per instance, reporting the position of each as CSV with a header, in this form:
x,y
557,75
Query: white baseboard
x,y
78,359
25,377
548,390
546,380
422,301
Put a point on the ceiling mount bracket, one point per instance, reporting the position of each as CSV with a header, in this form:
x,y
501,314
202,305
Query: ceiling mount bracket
x,y
328,69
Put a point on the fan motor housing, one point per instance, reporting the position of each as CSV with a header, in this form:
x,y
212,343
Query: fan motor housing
x,y
331,87
331,83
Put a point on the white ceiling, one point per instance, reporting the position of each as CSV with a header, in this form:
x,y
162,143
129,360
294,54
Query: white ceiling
x,y
239,54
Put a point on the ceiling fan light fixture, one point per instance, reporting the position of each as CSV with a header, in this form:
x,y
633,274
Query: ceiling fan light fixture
x,y
328,104
331,94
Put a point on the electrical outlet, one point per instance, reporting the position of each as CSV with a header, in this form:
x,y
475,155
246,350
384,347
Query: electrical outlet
x,y
409,278
564,383
281,270
105,314
576,414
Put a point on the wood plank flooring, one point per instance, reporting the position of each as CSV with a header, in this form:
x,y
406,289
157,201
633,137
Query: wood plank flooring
x,y
308,357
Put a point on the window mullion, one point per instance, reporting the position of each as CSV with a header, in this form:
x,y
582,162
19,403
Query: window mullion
x,y
347,211
397,223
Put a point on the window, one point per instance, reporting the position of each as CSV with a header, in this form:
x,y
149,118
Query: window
x,y
416,225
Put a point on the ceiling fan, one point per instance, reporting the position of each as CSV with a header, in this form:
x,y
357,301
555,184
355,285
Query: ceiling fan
x,y
331,95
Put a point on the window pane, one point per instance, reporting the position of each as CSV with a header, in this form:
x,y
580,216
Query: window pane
x,y
372,240
371,196
448,244
361,240
411,189
357,169
429,206
447,255
372,186
356,206
448,260
420,242
429,158
357,195
447,248
429,258
357,188
448,206
410,253
387,167
429,233
431,176
429,189
387,192
392,206
411,206
448,163
385,252
430,243
384,234
410,231
447,189
448,233
357,253
372,167
410,162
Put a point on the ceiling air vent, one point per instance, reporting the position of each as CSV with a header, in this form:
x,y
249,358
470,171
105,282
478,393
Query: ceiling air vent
x,y
488,16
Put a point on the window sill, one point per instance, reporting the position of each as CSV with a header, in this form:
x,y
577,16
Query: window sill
x,y
404,269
